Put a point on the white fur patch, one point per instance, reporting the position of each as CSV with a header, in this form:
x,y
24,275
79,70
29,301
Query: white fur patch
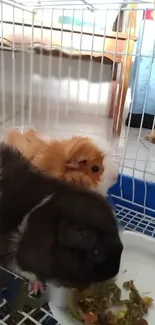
x,y
109,176
23,274
16,237
23,225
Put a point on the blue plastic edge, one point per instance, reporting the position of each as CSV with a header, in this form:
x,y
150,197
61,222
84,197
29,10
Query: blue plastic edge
x,y
125,185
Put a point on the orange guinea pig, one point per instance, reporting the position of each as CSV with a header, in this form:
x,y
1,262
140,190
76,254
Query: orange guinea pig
x,y
77,160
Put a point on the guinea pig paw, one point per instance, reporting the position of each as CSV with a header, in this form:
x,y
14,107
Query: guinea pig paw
x,y
36,287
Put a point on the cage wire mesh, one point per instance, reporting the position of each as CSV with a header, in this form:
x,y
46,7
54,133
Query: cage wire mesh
x,y
65,69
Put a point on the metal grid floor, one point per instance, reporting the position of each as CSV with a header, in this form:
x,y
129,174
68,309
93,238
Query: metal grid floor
x,y
28,316
129,219
135,221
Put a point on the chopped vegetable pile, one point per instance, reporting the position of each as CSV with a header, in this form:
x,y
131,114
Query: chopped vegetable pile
x,y
131,311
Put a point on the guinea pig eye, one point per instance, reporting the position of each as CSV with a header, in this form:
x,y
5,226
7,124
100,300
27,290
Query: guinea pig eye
x,y
95,169
99,256
96,252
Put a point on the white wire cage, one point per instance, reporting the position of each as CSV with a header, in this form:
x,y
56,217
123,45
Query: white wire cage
x,y
65,69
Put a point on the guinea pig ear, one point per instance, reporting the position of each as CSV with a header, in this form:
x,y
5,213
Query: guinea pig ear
x,y
75,237
71,165
75,164
82,162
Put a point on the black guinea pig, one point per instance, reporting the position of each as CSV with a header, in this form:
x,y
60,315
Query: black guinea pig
x,y
52,230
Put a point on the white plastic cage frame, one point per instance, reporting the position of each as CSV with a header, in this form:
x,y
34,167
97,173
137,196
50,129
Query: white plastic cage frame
x,y
29,17
21,107
24,47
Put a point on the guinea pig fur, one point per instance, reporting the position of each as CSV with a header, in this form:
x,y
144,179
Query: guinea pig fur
x,y
28,142
52,230
77,160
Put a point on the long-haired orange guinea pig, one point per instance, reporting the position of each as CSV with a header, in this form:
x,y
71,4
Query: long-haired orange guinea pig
x,y
77,160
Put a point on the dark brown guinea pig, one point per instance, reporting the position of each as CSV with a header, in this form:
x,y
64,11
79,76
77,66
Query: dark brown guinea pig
x,y
52,229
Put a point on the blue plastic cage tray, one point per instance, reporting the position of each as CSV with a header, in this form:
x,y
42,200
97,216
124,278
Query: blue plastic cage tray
x,y
134,202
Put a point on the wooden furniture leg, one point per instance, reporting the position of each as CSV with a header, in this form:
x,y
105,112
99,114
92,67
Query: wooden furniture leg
x,y
112,92
123,87
125,71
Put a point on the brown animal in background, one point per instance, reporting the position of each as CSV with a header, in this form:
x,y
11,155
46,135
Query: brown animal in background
x,y
151,137
77,160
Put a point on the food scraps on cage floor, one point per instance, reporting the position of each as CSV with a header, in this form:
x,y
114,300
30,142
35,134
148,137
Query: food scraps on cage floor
x,y
96,309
